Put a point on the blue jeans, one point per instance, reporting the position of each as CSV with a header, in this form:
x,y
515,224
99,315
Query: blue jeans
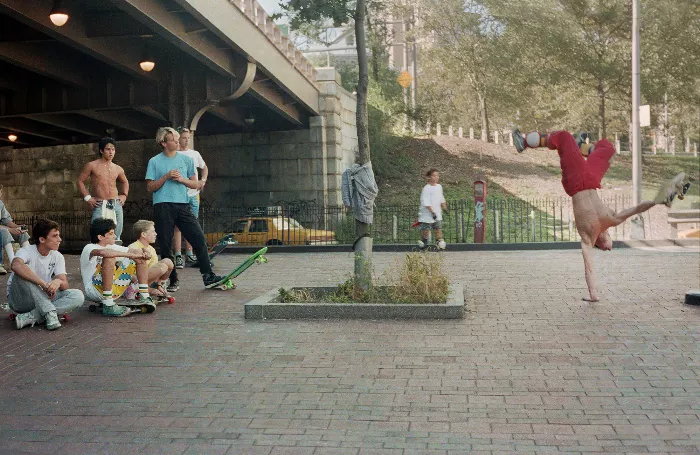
x,y
26,296
97,213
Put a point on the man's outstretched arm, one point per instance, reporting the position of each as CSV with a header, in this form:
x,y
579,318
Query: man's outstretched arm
x,y
587,251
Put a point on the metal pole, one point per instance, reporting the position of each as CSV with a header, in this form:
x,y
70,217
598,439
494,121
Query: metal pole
x,y
636,98
414,68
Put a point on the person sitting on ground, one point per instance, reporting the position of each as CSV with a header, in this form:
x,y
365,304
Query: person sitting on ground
x,y
581,178
38,288
432,203
158,271
9,232
108,269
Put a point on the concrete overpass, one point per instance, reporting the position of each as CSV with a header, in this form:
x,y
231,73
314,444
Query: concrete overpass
x,y
221,66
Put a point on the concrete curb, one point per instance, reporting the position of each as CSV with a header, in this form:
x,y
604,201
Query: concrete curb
x,y
464,246
264,307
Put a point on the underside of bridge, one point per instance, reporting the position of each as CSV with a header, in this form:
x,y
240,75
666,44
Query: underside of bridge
x,y
81,81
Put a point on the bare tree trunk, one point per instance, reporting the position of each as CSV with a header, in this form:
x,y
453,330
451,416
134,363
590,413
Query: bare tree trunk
x,y
363,247
484,117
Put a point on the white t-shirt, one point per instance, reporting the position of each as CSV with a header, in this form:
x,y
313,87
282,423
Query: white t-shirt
x,y
88,264
431,196
46,267
198,164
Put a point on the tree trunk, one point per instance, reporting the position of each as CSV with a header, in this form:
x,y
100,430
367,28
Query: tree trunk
x,y
363,247
484,117
602,123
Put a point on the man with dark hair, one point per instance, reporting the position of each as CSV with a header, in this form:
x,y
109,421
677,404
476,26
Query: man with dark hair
x,y
581,179
105,200
108,269
38,288
9,232
432,203
168,176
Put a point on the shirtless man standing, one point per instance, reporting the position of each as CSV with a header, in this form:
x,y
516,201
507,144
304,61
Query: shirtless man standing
x,y
581,178
105,201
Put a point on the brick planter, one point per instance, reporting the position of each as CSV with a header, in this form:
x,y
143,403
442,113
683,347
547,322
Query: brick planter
x,y
267,306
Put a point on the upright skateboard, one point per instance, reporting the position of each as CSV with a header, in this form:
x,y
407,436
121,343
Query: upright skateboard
x,y
221,245
226,282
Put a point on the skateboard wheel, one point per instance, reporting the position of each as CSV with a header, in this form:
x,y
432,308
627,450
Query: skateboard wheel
x,y
171,300
11,317
692,297
92,308
65,317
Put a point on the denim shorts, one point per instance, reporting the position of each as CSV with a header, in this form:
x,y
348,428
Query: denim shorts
x,y
428,226
194,205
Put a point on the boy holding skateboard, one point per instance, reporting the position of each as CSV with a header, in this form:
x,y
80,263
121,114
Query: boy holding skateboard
x,y
108,269
168,176
38,288
158,271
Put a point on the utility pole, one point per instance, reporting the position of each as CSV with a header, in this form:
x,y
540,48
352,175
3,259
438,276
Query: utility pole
x,y
414,70
404,29
637,231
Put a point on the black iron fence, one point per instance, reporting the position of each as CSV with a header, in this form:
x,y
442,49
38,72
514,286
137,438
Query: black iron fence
x,y
507,220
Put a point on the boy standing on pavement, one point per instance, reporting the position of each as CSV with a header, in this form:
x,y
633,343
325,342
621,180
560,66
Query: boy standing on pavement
x,y
432,203
38,288
108,269
168,176
192,194
9,232
105,201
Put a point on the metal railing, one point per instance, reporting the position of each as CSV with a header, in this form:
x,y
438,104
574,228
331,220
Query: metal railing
x,y
507,220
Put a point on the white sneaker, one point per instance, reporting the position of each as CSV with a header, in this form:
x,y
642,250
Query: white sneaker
x,y
669,190
2,270
442,245
421,244
24,319
52,320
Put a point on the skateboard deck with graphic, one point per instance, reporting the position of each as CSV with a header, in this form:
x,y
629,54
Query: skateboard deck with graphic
x,y
227,283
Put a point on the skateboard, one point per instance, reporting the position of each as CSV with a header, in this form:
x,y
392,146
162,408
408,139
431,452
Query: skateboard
x,y
226,282
221,245
133,305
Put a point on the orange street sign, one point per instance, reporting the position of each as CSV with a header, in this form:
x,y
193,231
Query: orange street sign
x,y
404,79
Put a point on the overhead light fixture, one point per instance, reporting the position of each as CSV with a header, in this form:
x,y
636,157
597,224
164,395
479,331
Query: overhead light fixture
x,y
59,14
147,64
12,137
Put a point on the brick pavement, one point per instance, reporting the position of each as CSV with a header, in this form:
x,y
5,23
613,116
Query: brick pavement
x,y
531,369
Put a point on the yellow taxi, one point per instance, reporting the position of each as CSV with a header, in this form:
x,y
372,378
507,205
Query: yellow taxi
x,y
278,230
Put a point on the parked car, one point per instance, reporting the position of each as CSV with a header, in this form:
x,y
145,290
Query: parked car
x,y
278,230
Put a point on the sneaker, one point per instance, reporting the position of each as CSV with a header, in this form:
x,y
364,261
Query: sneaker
x,y
669,190
52,320
190,258
421,244
211,280
518,140
179,262
24,319
2,270
148,303
173,286
115,310
441,245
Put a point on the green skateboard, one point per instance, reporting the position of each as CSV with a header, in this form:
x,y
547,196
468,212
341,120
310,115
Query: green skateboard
x,y
226,282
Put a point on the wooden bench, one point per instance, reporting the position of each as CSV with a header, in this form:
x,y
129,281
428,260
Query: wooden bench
x,y
686,216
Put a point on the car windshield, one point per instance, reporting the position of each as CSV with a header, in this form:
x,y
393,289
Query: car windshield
x,y
286,223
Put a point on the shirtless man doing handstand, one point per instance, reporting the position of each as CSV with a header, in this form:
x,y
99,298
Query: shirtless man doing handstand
x,y
581,178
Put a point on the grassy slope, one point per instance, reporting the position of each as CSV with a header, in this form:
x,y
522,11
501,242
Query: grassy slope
x,y
532,174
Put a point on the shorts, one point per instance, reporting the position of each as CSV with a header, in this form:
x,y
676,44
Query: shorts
x,y
124,271
437,224
194,205
578,173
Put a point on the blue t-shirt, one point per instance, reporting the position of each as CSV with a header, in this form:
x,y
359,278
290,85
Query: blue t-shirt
x,y
171,191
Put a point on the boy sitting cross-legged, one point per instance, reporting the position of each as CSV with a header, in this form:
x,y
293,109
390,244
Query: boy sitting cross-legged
x,y
158,271
108,269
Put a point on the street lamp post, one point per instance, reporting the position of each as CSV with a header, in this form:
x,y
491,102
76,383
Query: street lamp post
x,y
637,226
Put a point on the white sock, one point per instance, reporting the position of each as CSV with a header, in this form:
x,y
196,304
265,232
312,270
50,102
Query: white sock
x,y
10,253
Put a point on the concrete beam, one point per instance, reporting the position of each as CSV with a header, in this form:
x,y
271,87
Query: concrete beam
x,y
10,83
228,114
233,27
25,126
122,119
45,59
69,122
109,51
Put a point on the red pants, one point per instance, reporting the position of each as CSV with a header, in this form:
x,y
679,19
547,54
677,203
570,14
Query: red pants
x,y
577,173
